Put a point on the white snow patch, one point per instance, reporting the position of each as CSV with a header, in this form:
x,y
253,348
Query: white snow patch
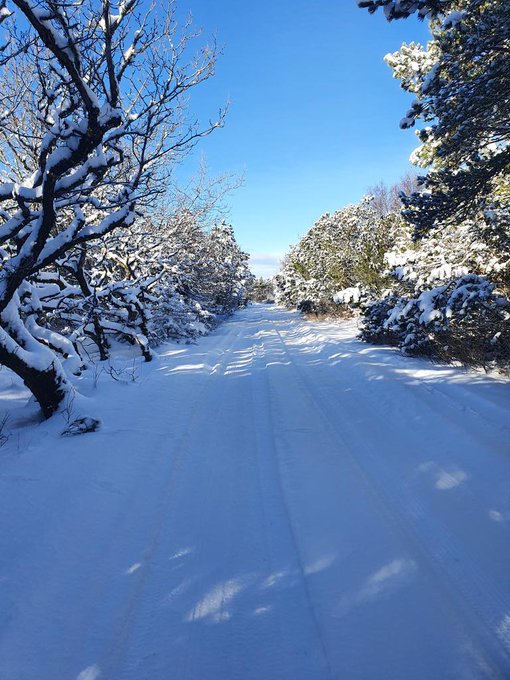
x,y
449,480
273,579
181,553
503,631
214,602
385,580
496,516
89,673
320,564
263,610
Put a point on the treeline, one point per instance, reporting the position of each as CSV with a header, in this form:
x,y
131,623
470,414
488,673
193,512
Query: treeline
x,y
431,275
444,296
261,290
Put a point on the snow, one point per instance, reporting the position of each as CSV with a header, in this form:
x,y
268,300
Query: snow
x,y
276,502
453,18
348,295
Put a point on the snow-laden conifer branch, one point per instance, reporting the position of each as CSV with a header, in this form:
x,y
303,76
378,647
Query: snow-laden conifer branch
x,y
461,87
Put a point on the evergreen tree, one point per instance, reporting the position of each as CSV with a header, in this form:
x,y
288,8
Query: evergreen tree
x,y
262,290
461,85
342,251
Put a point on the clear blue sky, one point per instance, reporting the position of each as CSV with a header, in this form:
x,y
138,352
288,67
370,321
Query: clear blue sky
x,y
314,116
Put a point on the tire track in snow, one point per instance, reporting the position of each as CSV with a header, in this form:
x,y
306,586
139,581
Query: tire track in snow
x,y
349,392
240,638
265,518
344,412
280,641
472,600
454,462
112,659
264,405
458,414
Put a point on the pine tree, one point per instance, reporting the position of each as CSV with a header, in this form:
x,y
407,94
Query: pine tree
x,y
461,84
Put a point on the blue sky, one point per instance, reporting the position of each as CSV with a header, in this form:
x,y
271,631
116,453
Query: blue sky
x,y
314,112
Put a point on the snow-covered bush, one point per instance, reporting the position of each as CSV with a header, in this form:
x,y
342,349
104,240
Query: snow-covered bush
x,y
430,277
476,246
463,320
165,278
262,290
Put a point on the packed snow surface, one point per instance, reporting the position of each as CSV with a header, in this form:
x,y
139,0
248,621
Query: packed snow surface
x,y
277,502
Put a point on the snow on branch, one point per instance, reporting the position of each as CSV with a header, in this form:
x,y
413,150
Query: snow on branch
x,y
95,117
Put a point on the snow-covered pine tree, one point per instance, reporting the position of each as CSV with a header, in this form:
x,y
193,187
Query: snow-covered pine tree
x,y
443,304
229,274
461,85
449,299
341,252
401,9
262,290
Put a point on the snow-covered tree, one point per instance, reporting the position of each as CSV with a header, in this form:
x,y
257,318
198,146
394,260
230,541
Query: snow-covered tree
x,y
85,142
401,9
262,290
464,319
461,85
158,280
341,252
449,297
229,276
450,293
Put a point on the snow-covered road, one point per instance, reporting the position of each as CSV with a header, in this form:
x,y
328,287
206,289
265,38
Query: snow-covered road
x,y
277,502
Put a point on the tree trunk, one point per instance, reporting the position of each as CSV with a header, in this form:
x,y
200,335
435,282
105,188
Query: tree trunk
x,y
33,362
46,385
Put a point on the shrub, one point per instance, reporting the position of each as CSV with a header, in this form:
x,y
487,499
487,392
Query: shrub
x,y
464,320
